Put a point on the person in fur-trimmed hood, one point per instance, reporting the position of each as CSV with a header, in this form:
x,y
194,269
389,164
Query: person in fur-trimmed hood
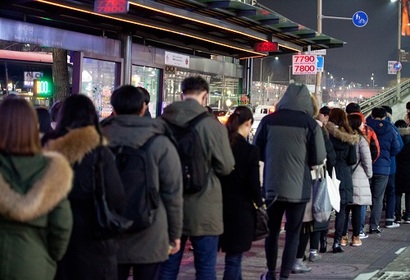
x,y
35,215
344,140
78,138
403,174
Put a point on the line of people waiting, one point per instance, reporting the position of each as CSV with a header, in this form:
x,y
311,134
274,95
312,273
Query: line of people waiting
x,y
52,223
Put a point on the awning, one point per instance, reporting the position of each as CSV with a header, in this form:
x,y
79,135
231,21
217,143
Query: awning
x,y
199,27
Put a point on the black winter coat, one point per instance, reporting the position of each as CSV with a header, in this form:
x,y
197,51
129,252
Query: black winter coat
x,y
88,258
403,163
344,145
240,190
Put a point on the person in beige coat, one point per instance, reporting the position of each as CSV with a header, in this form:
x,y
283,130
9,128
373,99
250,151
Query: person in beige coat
x,y
361,172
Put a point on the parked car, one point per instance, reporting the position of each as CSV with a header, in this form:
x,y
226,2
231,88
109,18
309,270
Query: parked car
x,y
260,112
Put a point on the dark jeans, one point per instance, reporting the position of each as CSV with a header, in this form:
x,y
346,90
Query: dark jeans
x,y
314,239
390,199
398,210
233,270
363,210
139,271
340,223
294,218
377,186
356,217
205,252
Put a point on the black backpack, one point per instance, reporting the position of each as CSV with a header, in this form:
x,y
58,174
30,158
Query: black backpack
x,y
142,198
193,161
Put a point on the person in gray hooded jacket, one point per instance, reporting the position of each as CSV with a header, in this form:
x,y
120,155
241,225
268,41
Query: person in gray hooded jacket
x,y
290,143
202,210
145,250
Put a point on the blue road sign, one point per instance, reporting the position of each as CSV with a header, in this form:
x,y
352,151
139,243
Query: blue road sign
x,y
320,63
397,66
360,19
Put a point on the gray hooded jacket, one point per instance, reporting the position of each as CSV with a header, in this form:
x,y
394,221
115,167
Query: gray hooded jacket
x,y
203,210
151,245
290,142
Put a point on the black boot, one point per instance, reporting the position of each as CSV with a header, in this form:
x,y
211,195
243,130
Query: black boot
x,y
336,247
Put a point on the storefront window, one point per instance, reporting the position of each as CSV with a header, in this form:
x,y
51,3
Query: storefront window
x,y
147,77
223,91
98,82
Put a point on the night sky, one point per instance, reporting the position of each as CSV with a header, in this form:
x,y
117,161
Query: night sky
x,y
368,48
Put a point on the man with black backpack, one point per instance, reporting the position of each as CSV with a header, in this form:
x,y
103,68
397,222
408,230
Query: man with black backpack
x,y
196,131
152,181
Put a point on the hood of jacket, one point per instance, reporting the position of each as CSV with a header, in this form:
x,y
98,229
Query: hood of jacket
x,y
46,192
341,134
405,134
296,98
381,127
76,143
131,130
181,112
404,131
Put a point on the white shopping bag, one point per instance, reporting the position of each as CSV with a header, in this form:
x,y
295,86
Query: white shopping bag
x,y
333,190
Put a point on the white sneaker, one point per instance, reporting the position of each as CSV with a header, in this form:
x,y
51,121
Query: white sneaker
x,y
300,268
363,235
393,225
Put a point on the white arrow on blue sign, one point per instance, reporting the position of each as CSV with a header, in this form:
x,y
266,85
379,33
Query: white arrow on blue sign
x,y
360,19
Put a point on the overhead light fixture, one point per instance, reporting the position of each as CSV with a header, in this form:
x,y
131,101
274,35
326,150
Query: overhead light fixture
x,y
149,26
199,21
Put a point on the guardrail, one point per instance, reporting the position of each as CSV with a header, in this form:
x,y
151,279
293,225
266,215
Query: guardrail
x,y
388,97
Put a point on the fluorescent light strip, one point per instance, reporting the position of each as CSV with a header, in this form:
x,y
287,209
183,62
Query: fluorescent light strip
x,y
290,48
147,25
199,21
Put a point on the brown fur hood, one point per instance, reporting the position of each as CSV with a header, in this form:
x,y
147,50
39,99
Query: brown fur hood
x,y
341,134
44,196
76,143
404,131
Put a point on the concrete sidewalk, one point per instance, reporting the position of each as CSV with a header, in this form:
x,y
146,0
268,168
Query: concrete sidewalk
x,y
382,256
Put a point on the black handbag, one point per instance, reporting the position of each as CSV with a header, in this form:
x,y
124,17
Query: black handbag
x,y
261,223
108,223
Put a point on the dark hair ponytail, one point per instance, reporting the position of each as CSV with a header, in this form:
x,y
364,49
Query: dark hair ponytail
x,y
238,117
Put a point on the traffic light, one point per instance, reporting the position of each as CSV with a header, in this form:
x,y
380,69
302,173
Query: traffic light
x,y
42,88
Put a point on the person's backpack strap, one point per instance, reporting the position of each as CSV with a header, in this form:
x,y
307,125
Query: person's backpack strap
x,y
198,118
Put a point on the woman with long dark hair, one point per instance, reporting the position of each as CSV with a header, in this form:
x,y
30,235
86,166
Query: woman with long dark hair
x,y
344,140
78,137
35,215
361,172
241,193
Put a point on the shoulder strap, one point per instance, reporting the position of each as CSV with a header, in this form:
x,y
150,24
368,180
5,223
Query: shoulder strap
x,y
149,141
98,180
198,118
354,169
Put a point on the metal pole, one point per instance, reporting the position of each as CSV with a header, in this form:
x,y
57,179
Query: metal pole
x,y
318,91
398,74
260,79
127,55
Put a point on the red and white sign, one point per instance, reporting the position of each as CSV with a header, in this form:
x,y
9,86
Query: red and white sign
x,y
176,59
304,64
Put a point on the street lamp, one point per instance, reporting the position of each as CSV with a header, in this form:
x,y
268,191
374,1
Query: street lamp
x,y
398,74
372,78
